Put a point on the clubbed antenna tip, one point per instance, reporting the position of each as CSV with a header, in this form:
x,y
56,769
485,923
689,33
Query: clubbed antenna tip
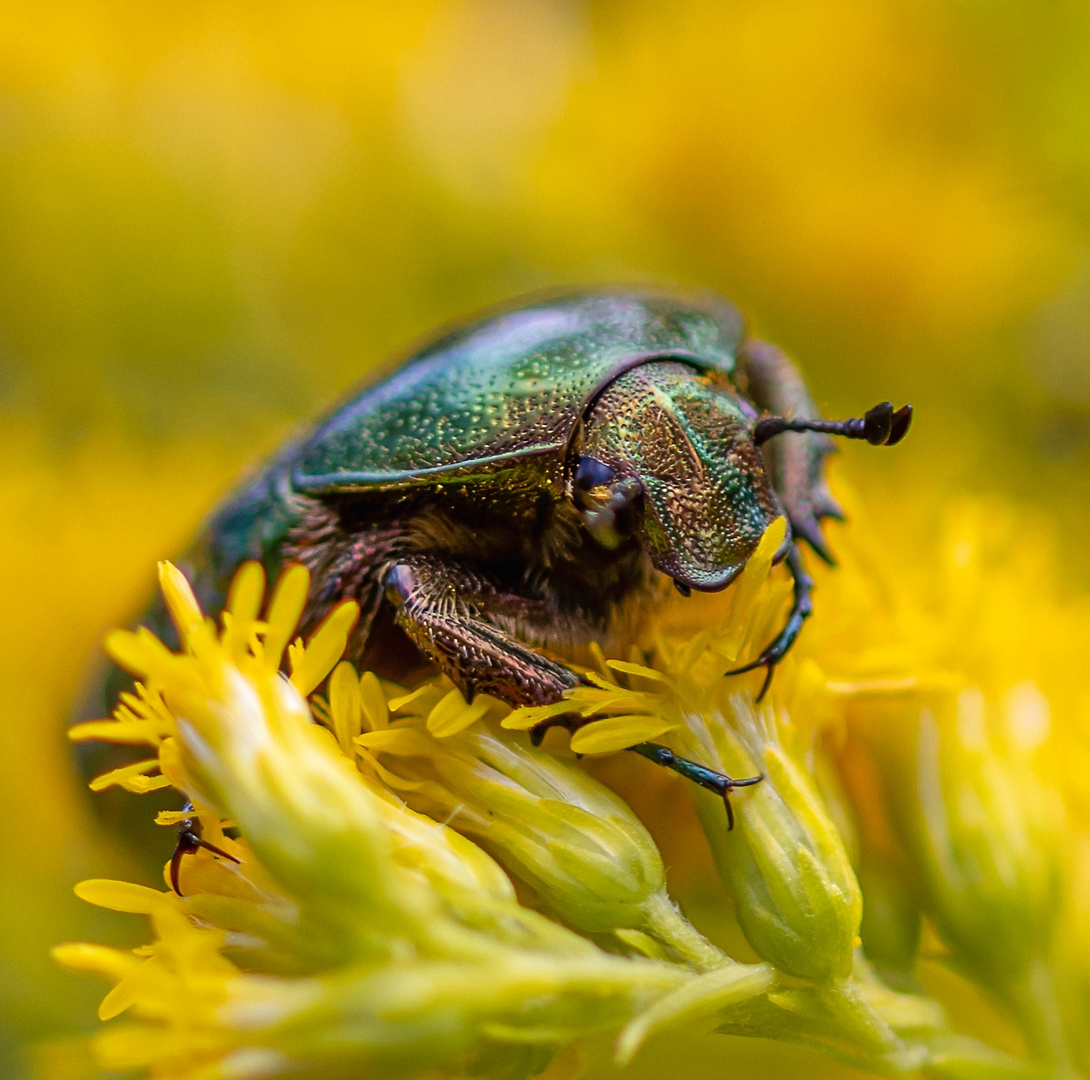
x,y
881,426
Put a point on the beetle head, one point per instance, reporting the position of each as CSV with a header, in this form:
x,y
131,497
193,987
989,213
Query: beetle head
x,y
667,456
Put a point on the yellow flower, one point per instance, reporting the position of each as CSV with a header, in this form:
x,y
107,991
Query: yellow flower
x,y
362,932
795,894
370,922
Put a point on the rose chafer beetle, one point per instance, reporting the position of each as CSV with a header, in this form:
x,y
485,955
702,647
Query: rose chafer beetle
x,y
521,485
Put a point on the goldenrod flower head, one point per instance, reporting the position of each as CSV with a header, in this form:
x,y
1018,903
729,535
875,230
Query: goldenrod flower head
x,y
795,894
423,956
794,890
370,925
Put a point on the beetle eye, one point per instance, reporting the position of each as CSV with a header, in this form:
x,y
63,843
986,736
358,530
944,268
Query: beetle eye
x,y
605,503
592,473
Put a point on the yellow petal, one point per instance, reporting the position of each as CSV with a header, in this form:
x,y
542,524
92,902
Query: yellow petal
x,y
117,1000
125,773
170,818
771,541
184,610
638,669
141,785
528,717
101,959
132,732
601,681
325,647
454,714
285,609
120,895
398,703
618,733
744,592
375,710
404,740
139,652
632,700
243,607
170,763
600,660
344,705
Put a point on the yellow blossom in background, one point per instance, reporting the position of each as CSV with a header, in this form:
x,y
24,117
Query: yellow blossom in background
x,y
214,219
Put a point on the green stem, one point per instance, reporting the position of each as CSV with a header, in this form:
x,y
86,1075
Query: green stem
x,y
680,936
1035,1002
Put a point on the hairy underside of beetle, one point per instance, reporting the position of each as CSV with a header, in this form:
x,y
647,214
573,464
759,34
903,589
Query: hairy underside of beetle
x,y
467,573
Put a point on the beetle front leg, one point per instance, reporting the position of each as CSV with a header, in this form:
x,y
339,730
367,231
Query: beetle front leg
x,y
801,609
442,605
717,782
796,465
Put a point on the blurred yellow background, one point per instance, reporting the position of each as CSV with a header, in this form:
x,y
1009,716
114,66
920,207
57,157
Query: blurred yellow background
x,y
214,217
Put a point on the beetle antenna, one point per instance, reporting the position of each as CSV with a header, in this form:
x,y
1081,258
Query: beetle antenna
x,y
881,426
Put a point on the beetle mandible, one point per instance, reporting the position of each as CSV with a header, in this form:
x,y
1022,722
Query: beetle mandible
x,y
522,484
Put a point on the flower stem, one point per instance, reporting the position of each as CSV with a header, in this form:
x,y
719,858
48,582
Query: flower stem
x,y
1036,1003
681,937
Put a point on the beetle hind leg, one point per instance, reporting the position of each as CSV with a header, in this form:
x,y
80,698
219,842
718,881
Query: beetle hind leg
x,y
189,842
801,609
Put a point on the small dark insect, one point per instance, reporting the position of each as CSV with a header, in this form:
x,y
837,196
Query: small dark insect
x,y
519,488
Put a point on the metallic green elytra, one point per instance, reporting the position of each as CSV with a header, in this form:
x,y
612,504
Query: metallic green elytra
x,y
520,487
511,387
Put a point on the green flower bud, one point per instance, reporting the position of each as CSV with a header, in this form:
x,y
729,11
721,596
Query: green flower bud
x,y
987,836
794,891
986,839
580,848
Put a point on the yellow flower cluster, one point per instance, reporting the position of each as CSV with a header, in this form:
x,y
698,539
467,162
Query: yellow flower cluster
x,y
420,891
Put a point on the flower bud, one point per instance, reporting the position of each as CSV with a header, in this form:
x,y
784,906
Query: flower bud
x,y
794,891
989,837
576,844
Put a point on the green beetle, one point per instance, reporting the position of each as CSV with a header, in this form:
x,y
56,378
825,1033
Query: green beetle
x,y
523,483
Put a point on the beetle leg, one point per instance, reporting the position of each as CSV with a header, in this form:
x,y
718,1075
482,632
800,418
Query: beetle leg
x,y
190,842
801,609
442,605
796,466
706,778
